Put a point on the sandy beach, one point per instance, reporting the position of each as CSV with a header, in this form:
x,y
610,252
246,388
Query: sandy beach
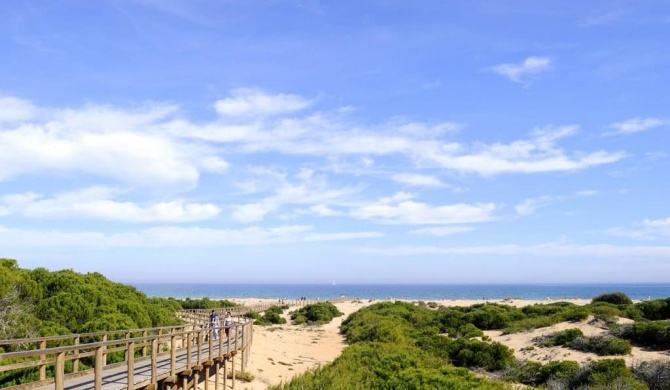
x,y
280,352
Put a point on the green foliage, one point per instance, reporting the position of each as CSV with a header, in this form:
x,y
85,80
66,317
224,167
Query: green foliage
x,y
388,366
272,315
206,303
467,331
40,302
615,298
606,373
602,345
564,337
254,315
316,313
654,310
474,353
655,374
651,333
605,310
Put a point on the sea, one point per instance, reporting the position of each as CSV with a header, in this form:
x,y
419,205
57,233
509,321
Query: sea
x,y
403,291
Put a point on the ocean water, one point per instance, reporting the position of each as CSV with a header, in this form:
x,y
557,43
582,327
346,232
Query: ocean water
x,y
417,292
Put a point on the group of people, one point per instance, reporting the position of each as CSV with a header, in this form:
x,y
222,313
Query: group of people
x,y
215,324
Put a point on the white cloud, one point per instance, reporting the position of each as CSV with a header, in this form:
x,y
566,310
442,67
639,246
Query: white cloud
x,y
324,211
414,179
518,72
649,229
127,146
173,237
400,210
535,155
13,109
152,147
530,205
636,125
442,230
252,102
98,203
542,250
309,189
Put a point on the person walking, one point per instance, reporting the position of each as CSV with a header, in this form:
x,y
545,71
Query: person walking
x,y
227,323
215,324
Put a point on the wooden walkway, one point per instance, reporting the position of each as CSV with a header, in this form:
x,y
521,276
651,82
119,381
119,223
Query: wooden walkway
x,y
177,357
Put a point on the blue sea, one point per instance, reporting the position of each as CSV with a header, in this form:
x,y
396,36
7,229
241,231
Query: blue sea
x,y
416,292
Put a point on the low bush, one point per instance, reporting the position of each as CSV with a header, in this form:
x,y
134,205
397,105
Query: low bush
x,y
316,313
602,345
271,316
655,374
651,333
615,298
564,337
654,310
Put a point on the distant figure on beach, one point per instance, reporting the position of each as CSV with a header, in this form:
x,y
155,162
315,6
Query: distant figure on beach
x,y
227,323
214,323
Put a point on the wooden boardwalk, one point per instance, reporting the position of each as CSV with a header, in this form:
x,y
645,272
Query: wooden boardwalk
x,y
177,357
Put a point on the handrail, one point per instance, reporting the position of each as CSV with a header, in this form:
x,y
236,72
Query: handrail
x,y
174,341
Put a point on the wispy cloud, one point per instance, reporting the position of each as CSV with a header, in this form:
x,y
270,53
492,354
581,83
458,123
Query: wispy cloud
x,y
173,237
542,250
648,229
99,203
520,72
253,102
442,230
401,209
636,125
530,205
418,180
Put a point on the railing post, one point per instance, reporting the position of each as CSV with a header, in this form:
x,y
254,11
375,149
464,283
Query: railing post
x,y
154,360
217,381
210,343
75,362
173,354
144,344
43,357
59,373
99,356
104,348
199,362
233,368
130,352
189,345
242,358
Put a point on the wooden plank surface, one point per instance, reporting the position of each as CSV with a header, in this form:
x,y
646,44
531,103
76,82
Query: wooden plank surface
x,y
115,378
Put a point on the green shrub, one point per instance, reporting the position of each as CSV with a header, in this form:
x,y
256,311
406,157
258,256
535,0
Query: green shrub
x,y
655,374
271,316
475,353
602,345
564,337
322,312
651,333
608,374
615,298
654,310
254,315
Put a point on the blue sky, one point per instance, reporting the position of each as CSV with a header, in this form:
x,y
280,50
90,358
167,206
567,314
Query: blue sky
x,y
358,141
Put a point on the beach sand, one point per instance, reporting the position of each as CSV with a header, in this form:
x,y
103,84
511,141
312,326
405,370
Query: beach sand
x,y
280,352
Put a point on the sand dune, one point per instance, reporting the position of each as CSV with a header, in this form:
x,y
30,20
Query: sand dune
x,y
280,352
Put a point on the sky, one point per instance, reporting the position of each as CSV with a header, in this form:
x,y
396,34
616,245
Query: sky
x,y
307,141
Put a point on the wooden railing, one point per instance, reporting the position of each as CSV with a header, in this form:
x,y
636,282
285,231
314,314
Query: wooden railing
x,y
89,353
197,342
